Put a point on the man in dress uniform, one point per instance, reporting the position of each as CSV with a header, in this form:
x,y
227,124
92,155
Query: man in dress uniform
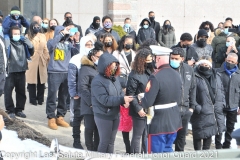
x,y
163,92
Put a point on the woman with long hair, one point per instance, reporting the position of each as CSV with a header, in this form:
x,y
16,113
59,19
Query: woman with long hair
x,y
51,27
110,44
208,26
36,75
166,36
142,68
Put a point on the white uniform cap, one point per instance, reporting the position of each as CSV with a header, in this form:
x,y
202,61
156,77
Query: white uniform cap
x,y
160,51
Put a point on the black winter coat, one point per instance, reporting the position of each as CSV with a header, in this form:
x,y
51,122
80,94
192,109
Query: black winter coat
x,y
144,34
86,74
107,94
136,84
156,26
208,119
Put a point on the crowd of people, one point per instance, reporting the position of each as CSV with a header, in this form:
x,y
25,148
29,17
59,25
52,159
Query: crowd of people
x,y
100,78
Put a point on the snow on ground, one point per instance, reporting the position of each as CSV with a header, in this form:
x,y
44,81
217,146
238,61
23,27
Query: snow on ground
x,y
233,142
14,148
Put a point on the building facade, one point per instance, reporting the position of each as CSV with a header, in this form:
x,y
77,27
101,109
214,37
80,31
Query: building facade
x,y
185,15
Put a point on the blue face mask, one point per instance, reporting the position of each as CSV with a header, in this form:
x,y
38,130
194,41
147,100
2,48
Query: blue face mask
x,y
145,26
228,44
71,33
16,37
16,17
1,28
44,25
226,31
127,25
174,64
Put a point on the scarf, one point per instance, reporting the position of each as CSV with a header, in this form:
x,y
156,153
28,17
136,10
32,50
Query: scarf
x,y
231,71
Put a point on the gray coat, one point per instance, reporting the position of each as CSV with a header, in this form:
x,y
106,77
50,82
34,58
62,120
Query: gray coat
x,y
107,94
208,119
231,87
86,74
167,40
204,51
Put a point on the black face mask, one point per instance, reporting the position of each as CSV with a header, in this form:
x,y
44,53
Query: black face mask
x,y
203,68
68,20
151,18
36,30
201,43
44,30
230,65
128,46
53,28
96,25
108,44
150,65
66,36
167,26
184,46
206,28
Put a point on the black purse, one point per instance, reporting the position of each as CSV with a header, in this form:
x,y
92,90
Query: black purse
x,y
123,77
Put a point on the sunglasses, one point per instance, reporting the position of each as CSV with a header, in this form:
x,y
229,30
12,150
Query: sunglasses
x,y
227,27
69,17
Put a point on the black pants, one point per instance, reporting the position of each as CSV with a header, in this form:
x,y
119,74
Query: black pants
x,y
91,133
126,141
139,131
197,143
17,81
57,82
107,133
181,134
2,83
231,119
38,95
77,120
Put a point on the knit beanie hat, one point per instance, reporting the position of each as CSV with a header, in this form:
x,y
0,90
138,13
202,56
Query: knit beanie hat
x,y
15,10
202,32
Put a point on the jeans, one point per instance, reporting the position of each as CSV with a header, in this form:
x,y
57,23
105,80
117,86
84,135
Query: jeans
x,y
15,80
139,132
57,82
107,132
231,119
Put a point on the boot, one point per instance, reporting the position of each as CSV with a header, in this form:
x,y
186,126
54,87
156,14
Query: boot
x,y
61,122
77,143
52,124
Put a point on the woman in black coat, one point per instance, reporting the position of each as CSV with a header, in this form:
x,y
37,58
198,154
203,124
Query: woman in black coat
x,y
87,72
137,80
107,96
145,32
207,119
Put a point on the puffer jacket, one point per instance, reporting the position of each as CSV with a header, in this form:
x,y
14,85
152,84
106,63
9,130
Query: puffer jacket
x,y
167,40
144,34
208,119
231,88
136,84
218,42
86,74
107,94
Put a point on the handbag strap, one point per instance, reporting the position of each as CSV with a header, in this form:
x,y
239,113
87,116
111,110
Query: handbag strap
x,y
125,62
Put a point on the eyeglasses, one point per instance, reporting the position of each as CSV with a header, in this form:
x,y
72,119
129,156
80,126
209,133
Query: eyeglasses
x,y
88,45
36,27
227,27
69,17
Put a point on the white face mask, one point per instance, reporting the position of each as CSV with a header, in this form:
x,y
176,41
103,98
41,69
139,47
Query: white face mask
x,y
87,50
96,62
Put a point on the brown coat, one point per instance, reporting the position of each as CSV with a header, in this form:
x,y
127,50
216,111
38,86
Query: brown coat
x,y
40,60
49,35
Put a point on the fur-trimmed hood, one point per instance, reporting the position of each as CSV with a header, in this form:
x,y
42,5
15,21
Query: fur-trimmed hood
x,y
86,62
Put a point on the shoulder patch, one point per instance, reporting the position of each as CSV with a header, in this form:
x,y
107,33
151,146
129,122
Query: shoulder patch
x,y
148,86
